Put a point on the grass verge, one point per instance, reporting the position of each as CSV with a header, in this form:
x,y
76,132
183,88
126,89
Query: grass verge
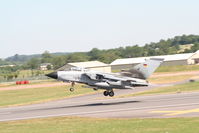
x,y
178,68
175,68
97,125
169,79
31,82
192,86
37,95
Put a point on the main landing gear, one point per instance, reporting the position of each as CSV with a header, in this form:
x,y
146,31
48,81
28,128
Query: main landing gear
x,y
72,85
109,93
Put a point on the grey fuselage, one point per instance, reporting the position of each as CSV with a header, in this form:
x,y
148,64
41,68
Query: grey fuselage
x,y
100,80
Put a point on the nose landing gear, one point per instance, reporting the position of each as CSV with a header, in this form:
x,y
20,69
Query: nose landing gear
x,y
72,85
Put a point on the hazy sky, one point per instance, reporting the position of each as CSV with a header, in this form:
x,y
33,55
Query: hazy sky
x,y
33,26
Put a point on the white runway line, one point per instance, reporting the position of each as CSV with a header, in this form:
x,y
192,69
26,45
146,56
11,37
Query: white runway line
x,y
103,111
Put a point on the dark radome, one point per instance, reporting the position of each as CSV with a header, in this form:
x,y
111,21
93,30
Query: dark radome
x,y
52,75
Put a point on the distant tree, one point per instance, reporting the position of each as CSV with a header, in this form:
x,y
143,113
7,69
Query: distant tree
x,y
3,62
16,75
37,73
77,57
46,54
49,67
59,61
16,57
5,77
163,47
108,57
10,77
33,63
46,57
94,54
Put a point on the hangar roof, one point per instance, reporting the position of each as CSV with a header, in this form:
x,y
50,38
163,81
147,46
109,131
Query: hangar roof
x,y
142,59
88,64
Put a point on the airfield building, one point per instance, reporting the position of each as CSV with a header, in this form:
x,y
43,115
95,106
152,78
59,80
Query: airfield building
x,y
169,60
45,66
92,65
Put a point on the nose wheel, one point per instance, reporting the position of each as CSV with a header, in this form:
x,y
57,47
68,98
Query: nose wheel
x,y
72,85
109,93
72,89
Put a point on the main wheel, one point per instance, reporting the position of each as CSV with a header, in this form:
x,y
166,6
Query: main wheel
x,y
71,89
106,93
111,93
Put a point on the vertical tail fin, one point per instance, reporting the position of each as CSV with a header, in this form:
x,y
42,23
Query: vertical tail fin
x,y
148,67
145,69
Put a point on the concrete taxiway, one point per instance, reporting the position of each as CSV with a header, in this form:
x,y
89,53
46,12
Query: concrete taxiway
x,y
96,105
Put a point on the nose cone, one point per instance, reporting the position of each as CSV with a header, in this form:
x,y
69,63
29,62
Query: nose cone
x,y
52,75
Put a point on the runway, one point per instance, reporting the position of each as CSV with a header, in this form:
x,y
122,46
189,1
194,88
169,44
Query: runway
x,y
96,105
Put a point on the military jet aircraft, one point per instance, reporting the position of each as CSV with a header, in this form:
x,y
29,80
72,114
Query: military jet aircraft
x,y
127,79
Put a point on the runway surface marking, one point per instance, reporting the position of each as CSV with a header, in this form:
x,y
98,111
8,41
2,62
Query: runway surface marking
x,y
5,113
177,112
97,112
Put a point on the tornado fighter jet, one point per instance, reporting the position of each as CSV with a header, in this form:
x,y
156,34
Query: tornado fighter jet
x,y
126,79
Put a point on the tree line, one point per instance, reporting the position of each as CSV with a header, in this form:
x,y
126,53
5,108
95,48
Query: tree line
x,y
163,47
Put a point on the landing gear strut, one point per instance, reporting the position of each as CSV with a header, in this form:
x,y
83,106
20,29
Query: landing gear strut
x,y
110,93
72,85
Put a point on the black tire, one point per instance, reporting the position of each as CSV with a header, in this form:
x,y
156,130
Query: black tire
x,y
111,93
71,89
106,93
95,89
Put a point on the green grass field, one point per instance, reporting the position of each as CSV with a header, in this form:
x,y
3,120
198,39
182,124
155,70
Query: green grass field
x,y
36,95
97,125
192,86
32,82
25,75
169,79
28,73
179,68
